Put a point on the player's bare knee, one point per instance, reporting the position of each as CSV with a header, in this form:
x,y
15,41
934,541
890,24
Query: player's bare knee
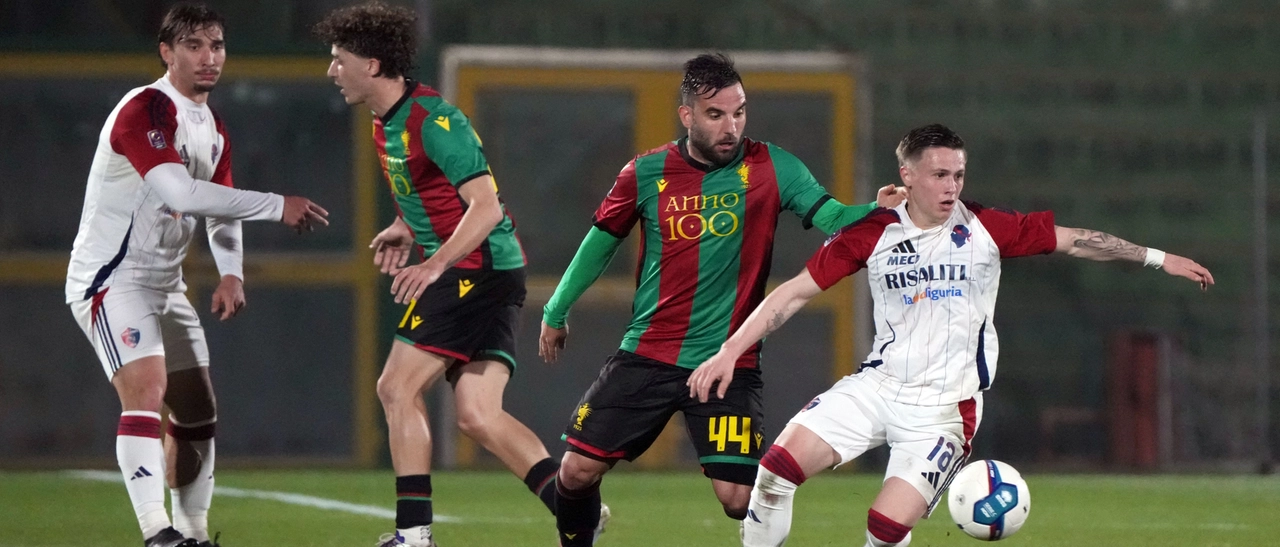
x,y
736,509
393,392
574,475
475,423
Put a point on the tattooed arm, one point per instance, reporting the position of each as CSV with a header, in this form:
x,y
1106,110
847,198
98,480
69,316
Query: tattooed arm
x,y
776,309
1102,247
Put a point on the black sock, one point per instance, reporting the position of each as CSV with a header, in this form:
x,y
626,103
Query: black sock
x,y
413,501
577,514
541,480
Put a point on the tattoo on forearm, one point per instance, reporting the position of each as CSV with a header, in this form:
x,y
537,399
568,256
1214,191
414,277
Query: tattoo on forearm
x,y
1095,244
775,322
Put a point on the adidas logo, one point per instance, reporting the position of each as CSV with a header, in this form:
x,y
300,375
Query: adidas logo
x,y
140,473
932,477
904,247
752,514
906,252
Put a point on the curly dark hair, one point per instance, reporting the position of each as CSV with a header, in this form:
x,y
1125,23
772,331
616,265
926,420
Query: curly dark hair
x,y
374,31
186,18
918,139
706,75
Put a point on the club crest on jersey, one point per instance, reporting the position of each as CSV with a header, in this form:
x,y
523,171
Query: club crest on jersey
x,y
960,235
130,337
156,138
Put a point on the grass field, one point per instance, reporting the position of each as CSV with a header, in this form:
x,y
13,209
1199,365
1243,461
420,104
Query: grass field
x,y
60,509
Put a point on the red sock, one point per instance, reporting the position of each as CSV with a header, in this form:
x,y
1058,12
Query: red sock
x,y
884,528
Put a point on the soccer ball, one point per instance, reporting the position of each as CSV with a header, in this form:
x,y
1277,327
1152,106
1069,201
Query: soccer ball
x,y
989,500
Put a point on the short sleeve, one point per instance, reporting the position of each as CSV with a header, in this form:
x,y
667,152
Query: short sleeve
x,y
800,192
222,156
144,131
451,143
847,251
1018,234
618,213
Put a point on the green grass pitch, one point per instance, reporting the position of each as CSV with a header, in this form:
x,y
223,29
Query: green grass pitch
x,y
57,509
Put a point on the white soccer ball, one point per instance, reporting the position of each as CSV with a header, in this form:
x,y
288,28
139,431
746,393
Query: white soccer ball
x,y
989,500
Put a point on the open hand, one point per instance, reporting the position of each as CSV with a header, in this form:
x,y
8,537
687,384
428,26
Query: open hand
x,y
228,298
1185,267
303,214
719,368
411,281
391,248
551,342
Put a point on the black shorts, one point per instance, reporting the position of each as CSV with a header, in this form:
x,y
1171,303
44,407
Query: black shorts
x,y
633,399
468,315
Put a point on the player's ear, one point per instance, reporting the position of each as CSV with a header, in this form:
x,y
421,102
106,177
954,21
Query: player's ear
x,y
166,54
373,67
686,116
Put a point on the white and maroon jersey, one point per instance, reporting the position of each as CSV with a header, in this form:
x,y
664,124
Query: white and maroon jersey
x,y
934,293
128,236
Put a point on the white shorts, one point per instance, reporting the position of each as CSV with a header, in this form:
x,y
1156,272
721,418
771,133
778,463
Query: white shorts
x,y
127,324
927,444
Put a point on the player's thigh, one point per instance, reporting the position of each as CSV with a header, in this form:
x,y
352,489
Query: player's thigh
x,y
409,371
626,408
185,347
122,325
928,445
478,388
728,434
848,417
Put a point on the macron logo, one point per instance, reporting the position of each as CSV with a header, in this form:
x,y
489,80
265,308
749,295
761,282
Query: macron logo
x,y
140,473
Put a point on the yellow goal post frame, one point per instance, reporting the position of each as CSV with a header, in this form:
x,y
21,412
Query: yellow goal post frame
x,y
653,78
351,268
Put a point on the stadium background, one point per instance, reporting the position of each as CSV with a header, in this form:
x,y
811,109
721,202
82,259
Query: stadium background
x,y
1135,117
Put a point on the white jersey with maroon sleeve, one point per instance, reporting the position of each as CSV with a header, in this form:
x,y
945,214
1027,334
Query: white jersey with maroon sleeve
x,y
934,293
128,235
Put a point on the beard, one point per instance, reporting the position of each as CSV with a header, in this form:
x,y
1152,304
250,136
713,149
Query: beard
x,y
702,143
204,88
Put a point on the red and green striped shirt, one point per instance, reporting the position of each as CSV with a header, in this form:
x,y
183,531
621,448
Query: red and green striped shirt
x,y
428,150
707,243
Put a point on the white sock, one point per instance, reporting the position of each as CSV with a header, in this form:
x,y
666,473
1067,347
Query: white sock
x,y
191,501
768,521
873,542
141,458
418,536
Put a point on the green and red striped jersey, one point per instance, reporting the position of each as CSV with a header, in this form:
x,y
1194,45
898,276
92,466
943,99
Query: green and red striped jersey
x,y
707,243
428,150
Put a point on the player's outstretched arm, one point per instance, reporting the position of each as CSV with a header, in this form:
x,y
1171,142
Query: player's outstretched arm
x,y
833,215
1102,247
588,264
776,309
391,247
177,189
484,211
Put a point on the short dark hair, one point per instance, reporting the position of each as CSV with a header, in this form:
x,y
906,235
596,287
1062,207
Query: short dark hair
x,y
918,139
374,31
186,18
707,74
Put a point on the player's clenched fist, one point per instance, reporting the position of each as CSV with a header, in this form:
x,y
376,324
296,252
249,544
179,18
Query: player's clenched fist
x,y
303,214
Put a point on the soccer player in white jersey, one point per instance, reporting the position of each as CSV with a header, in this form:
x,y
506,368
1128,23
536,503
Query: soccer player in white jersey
x,y
163,159
934,268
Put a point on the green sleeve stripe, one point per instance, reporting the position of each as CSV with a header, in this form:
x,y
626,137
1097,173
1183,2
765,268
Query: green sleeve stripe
x,y
808,217
729,459
414,498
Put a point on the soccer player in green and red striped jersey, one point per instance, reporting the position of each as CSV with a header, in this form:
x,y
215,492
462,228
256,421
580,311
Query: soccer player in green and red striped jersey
x,y
464,298
707,205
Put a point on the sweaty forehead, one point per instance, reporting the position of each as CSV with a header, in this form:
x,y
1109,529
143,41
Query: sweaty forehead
x,y
209,32
727,99
938,157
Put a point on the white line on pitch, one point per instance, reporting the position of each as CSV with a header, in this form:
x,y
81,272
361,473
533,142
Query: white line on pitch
x,y
307,501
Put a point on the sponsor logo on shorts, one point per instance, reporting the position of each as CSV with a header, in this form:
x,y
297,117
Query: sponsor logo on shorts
x,y
583,411
157,139
130,337
811,404
415,321
464,287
